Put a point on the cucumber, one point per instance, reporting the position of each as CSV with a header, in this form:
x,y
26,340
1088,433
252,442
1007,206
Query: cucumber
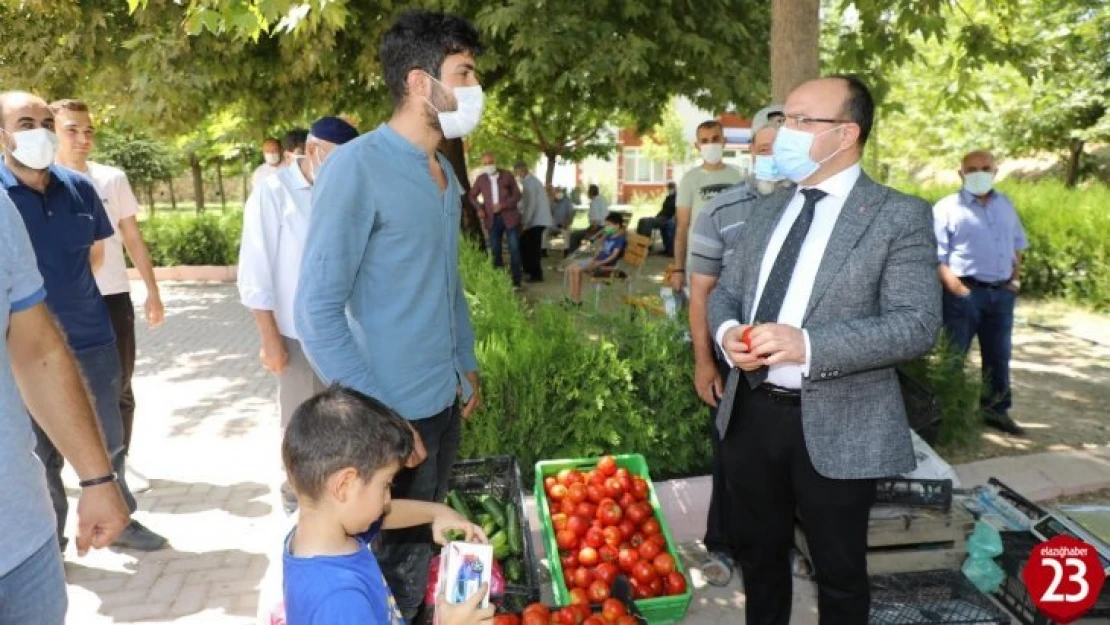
x,y
495,509
514,571
501,552
490,528
484,518
454,535
513,529
499,539
459,505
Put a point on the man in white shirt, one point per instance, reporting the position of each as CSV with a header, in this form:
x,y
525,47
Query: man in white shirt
x,y
830,285
536,214
275,224
599,209
76,141
273,160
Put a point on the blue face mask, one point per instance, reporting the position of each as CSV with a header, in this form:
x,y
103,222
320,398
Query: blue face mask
x,y
765,169
791,153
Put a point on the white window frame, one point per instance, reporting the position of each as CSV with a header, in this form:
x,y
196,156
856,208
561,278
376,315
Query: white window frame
x,y
635,173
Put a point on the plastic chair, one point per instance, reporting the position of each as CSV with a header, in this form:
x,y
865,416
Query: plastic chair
x,y
628,268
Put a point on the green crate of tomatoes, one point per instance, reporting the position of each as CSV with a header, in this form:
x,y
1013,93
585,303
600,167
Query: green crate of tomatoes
x,y
600,518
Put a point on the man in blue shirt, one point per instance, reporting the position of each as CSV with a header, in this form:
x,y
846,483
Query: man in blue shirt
x,y
381,308
979,244
67,224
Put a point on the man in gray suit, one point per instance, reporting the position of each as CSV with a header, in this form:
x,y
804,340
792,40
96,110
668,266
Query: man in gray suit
x,y
837,279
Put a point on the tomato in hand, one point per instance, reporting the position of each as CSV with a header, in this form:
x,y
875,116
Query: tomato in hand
x,y
648,551
640,488
627,559
598,591
566,540
651,527
609,513
644,572
578,596
612,609
664,563
607,466
675,583
588,557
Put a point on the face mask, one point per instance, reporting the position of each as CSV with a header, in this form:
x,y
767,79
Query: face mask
x,y
271,158
464,119
610,230
791,153
489,170
979,183
558,196
35,148
712,152
765,170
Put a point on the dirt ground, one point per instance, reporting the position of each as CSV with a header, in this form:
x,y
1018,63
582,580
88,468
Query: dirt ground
x,y
1060,369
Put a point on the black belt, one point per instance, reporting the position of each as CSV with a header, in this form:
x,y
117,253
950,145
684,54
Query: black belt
x,y
991,286
781,395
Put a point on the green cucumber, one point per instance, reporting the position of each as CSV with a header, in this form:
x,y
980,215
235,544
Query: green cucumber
x,y
494,508
513,529
458,505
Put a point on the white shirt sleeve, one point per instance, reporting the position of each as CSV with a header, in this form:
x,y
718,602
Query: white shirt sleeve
x,y
805,365
126,204
259,249
721,332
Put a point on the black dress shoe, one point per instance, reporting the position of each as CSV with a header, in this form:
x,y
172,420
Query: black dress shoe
x,y
1004,423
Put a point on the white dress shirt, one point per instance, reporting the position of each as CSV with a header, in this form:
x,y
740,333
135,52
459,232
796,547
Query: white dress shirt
x,y
789,375
275,224
120,203
494,192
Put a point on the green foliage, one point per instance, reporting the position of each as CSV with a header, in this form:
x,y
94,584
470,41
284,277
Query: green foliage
x,y
144,160
957,388
554,387
184,239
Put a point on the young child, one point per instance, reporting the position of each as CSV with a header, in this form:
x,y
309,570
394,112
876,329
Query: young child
x,y
341,451
612,247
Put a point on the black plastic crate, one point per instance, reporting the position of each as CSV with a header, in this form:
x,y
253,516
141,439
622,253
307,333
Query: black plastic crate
x,y
499,476
913,493
1028,508
1016,547
931,598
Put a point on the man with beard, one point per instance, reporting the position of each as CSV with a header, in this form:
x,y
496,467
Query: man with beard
x,y
711,242
384,312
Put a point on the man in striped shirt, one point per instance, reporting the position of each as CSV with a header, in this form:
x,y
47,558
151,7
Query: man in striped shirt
x,y
715,232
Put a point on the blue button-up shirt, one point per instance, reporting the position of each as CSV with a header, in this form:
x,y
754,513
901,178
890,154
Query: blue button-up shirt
x,y
379,306
978,240
64,222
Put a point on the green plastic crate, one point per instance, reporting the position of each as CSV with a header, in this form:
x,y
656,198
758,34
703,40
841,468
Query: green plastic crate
x,y
658,611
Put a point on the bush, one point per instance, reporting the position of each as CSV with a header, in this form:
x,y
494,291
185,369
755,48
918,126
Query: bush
x,y
957,389
1069,250
554,389
186,239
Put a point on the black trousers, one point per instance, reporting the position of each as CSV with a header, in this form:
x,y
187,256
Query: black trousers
x,y
531,252
771,479
122,312
718,522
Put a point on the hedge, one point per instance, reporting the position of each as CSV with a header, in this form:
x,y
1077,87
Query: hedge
x,y
187,239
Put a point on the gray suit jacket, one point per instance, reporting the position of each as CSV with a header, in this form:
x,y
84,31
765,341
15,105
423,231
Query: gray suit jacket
x,y
876,302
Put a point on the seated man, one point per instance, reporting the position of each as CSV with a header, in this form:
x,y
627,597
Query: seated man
x,y
598,208
612,248
664,221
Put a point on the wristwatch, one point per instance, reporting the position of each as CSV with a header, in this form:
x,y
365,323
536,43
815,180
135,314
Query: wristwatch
x,y
1015,283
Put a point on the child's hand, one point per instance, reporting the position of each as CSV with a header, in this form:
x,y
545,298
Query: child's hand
x,y
447,519
467,612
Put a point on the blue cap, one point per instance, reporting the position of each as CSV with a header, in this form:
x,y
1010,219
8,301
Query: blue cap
x,y
333,129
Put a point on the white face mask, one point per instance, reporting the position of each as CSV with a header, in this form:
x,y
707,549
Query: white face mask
x,y
712,153
35,148
489,170
464,119
271,158
979,182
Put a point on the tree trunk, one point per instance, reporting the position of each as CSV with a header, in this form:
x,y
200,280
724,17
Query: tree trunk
x,y
246,177
795,40
220,182
198,182
1075,157
173,197
150,195
549,177
455,152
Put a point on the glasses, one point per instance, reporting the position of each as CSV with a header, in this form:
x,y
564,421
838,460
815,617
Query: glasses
x,y
801,121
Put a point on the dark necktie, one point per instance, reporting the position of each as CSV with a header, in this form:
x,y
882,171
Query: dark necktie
x,y
770,301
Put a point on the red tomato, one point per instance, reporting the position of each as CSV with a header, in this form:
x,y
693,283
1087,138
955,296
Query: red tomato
x,y
582,578
606,572
562,617
548,482
535,619
627,559
595,493
598,592
538,608
588,557
650,527
627,528
626,500
593,620
608,554
578,525
746,337
622,472
660,540
578,596
566,540
580,612
569,561
594,538
506,619
656,586
636,540
613,536
607,466
625,545
567,507
640,591
664,563
586,509
675,583
648,551
612,609
644,572
627,619
613,488
558,492
576,492
640,488
609,513
626,483
575,477
637,513
559,521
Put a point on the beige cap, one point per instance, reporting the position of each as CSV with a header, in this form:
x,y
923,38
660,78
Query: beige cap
x,y
763,118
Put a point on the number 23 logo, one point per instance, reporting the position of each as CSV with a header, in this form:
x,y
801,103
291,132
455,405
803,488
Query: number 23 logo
x,y
1079,567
